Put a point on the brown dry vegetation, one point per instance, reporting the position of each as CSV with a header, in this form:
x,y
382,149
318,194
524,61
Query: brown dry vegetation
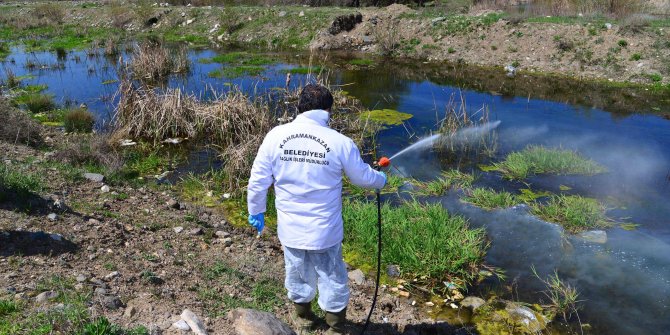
x,y
17,126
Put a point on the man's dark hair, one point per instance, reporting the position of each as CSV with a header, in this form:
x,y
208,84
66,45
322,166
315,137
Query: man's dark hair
x,y
315,97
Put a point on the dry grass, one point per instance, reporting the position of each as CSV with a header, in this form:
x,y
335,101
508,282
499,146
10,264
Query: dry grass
x,y
86,150
17,126
49,11
119,13
232,122
151,61
614,8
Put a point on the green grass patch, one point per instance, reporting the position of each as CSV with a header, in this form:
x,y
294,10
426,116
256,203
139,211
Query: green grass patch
x,y
8,307
231,57
575,213
79,120
490,199
18,184
541,160
448,180
423,240
362,62
387,117
73,318
237,71
36,102
304,70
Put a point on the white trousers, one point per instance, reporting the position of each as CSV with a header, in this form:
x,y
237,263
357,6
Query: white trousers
x,y
308,269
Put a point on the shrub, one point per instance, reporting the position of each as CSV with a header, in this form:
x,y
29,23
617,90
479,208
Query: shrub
x,y
420,239
17,126
635,57
387,35
79,120
622,43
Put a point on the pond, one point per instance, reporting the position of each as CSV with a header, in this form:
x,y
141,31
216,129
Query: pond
x,y
624,282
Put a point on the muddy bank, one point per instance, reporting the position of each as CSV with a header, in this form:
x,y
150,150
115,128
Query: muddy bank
x,y
584,48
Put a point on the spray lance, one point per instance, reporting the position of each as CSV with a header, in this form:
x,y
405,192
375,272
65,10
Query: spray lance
x,y
382,163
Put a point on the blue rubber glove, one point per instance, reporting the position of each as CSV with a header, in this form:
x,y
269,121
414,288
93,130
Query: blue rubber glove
x,y
257,221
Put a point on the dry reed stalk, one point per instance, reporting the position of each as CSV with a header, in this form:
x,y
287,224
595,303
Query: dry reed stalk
x,y
151,61
452,145
144,113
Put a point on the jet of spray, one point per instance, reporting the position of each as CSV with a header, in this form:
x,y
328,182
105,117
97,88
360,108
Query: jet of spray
x,y
465,135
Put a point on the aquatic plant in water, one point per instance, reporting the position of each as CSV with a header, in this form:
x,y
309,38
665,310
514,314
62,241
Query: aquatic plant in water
x,y
488,198
541,160
387,117
457,148
575,213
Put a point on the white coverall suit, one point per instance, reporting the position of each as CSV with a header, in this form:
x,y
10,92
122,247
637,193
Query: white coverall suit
x,y
305,160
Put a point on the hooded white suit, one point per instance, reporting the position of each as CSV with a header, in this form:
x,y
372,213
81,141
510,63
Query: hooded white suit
x,y
305,160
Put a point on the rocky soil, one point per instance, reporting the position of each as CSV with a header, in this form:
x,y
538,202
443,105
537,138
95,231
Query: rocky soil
x,y
146,256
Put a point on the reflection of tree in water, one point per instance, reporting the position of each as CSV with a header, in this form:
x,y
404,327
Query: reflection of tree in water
x,y
376,88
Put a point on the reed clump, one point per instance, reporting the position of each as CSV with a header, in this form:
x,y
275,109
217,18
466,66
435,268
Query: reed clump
x,y
613,8
458,147
151,61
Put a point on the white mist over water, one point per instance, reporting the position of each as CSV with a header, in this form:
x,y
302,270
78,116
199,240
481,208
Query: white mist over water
x,y
464,135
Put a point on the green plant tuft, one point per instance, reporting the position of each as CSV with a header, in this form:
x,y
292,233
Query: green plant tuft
x,y
79,120
490,199
423,240
541,160
575,213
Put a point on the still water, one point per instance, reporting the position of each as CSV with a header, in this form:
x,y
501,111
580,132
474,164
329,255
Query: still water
x,y
625,283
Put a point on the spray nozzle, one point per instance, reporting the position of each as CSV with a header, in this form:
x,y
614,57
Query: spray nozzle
x,y
384,162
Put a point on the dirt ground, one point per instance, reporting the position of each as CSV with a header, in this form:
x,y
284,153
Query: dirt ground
x,y
127,244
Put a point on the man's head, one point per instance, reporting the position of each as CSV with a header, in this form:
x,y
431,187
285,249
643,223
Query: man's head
x,y
315,97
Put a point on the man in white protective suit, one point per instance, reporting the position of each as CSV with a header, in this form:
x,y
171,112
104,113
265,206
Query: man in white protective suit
x,y
305,160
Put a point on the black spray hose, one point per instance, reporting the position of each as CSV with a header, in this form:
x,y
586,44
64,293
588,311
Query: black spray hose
x,y
379,261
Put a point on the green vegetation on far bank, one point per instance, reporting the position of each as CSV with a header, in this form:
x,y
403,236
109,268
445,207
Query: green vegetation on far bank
x,y
541,160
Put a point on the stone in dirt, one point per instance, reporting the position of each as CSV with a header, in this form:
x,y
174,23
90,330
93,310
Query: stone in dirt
x,y
282,14
222,234
192,320
178,230
52,217
472,302
345,23
104,189
94,177
112,302
196,231
46,296
81,278
357,277
173,204
393,271
253,322
112,275
181,325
